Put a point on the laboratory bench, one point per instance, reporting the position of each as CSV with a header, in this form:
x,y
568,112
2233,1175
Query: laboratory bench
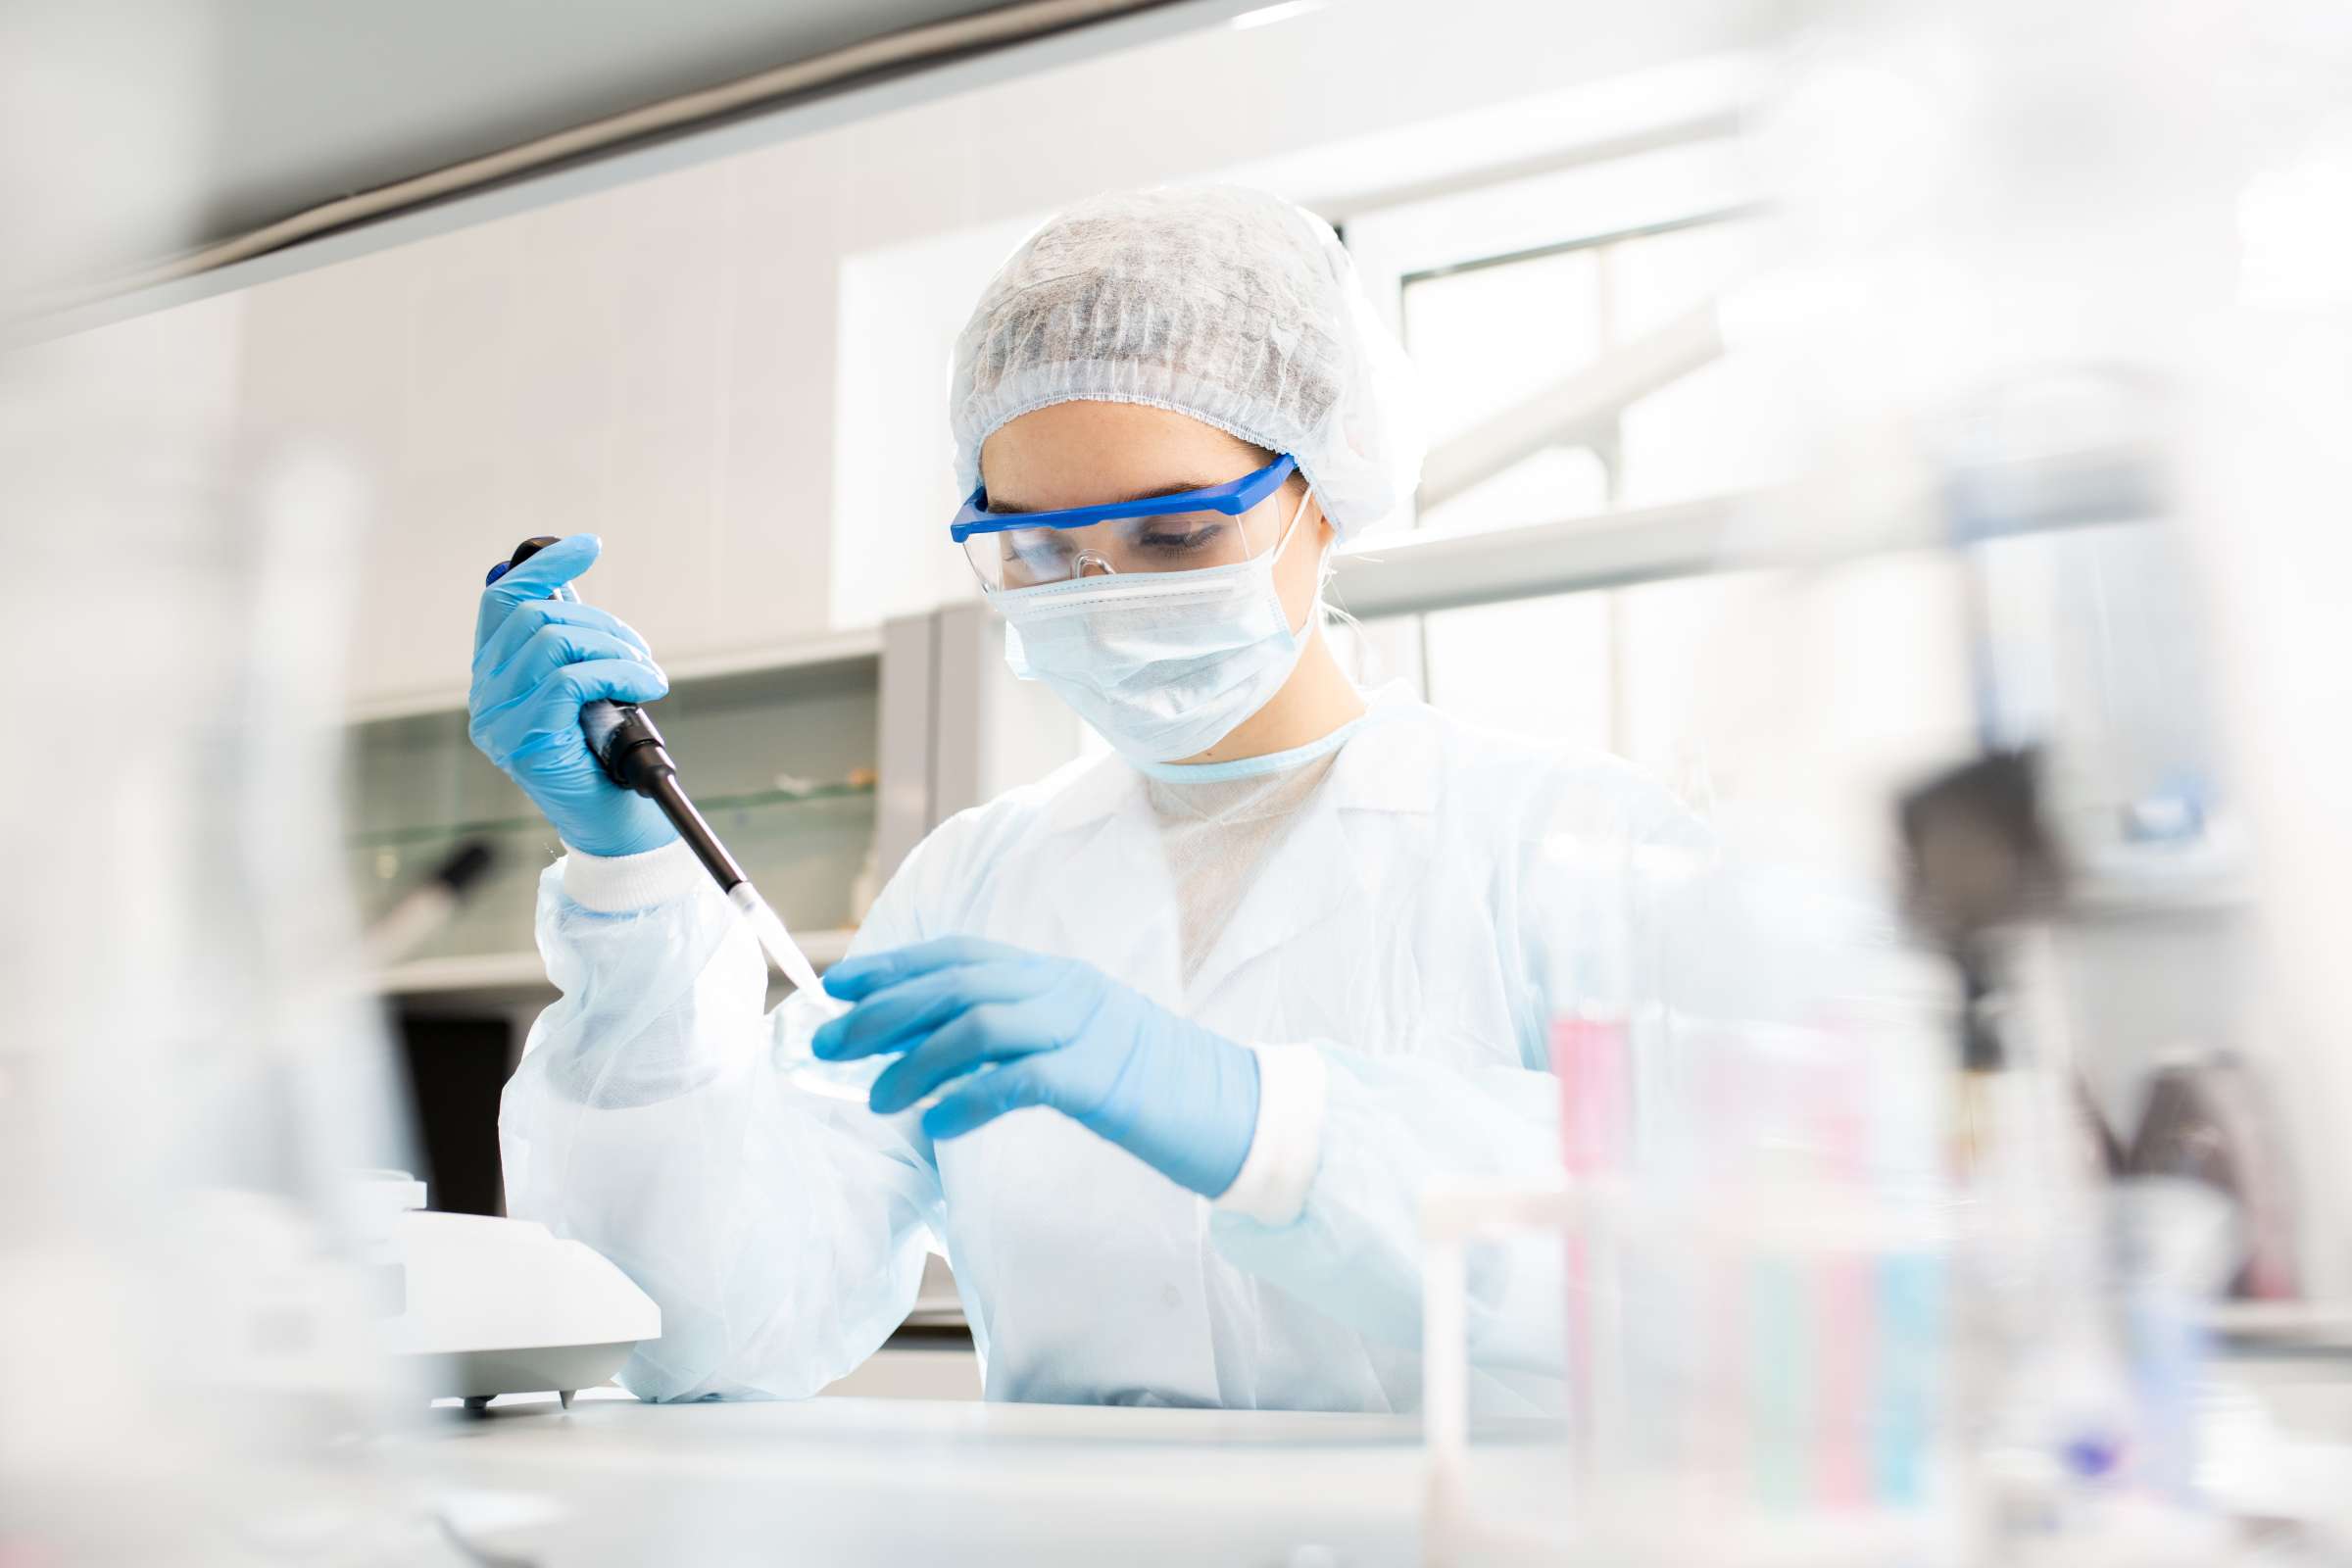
x,y
871,1481
859,1481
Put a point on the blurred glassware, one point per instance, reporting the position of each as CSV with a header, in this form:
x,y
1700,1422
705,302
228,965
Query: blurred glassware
x,y
2207,1120
190,1069
1752,1086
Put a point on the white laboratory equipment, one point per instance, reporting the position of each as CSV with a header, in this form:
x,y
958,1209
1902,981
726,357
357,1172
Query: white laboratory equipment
x,y
487,1305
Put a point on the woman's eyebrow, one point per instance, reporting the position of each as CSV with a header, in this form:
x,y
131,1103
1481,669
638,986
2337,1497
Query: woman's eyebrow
x,y
1011,508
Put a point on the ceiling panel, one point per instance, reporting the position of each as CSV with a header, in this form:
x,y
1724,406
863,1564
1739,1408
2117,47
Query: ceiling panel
x,y
290,103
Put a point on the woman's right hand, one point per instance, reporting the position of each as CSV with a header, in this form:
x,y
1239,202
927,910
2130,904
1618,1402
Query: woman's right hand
x,y
537,660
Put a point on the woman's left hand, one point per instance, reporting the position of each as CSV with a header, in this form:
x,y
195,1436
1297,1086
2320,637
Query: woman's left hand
x,y
1053,1032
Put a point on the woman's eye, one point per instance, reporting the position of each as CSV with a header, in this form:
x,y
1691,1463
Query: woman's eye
x,y
1037,549
1182,541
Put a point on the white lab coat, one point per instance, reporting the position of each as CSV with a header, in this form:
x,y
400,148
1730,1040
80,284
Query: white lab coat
x,y
1397,930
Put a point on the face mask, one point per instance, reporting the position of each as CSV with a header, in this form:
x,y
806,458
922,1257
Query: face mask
x,y
1164,664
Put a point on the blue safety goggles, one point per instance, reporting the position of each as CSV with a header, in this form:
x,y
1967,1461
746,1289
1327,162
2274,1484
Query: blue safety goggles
x,y
1232,498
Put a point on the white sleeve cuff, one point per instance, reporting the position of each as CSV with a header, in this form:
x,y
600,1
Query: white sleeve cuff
x,y
1288,1144
616,884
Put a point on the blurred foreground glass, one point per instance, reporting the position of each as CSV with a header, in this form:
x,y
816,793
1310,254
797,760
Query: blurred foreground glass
x,y
187,1334
191,1073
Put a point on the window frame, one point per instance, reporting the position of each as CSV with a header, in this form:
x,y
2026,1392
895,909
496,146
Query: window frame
x,y
1411,571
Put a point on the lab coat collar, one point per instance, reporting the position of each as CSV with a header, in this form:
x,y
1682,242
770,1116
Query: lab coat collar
x,y
1388,765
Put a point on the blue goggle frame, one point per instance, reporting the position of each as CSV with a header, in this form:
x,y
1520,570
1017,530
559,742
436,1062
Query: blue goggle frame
x,y
1232,498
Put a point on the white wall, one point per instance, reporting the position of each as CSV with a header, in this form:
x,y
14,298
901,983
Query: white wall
x,y
175,372
661,363
629,365
902,306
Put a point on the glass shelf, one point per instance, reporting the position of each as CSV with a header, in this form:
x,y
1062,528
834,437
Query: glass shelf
x,y
752,744
446,835
803,850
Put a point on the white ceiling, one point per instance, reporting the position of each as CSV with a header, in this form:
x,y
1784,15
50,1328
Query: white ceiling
x,y
134,131
278,105
316,100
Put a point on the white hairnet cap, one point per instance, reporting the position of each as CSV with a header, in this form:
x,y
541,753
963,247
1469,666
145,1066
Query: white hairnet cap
x,y
1229,305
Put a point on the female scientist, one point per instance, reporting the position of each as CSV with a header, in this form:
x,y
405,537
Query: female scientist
x,y
1195,1023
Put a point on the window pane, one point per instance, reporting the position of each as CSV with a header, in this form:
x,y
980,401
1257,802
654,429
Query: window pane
x,y
1536,666
1484,339
1488,339
1555,483
1669,634
1657,278
1712,432
1808,696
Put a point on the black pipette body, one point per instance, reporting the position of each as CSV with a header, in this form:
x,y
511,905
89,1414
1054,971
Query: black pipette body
x,y
629,749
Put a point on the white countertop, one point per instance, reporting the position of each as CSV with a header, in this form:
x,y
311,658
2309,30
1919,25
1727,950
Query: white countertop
x,y
951,1482
924,1482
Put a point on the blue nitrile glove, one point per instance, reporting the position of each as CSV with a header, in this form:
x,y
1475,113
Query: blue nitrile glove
x,y
536,662
1061,1033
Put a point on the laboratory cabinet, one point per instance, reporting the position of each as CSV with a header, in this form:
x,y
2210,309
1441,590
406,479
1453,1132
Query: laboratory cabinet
x,y
781,762
820,765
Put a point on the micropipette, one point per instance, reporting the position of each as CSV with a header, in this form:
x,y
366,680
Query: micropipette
x,y
630,749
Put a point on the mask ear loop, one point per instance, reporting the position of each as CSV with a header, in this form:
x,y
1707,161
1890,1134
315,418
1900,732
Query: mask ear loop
x,y
1315,606
1324,613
